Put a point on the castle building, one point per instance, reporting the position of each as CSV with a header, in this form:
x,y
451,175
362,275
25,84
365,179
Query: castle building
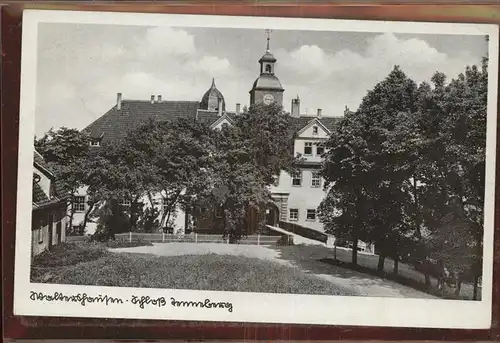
x,y
296,197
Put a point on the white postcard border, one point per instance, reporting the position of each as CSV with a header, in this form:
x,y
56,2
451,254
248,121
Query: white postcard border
x,y
247,307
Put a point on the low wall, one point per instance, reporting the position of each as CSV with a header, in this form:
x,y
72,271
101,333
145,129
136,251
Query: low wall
x,y
304,231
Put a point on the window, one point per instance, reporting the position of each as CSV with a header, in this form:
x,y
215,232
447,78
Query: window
x,y
79,204
218,212
308,148
294,214
316,180
268,68
95,142
40,235
320,149
315,130
311,215
297,179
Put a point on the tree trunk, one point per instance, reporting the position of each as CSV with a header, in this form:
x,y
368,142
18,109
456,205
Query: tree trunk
x,y
133,213
355,250
225,234
396,265
476,288
335,249
357,224
458,287
86,217
71,212
381,262
168,217
427,280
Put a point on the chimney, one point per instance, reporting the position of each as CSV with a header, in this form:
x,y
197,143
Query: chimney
x,y
219,108
238,108
296,107
159,98
320,112
152,99
118,101
346,110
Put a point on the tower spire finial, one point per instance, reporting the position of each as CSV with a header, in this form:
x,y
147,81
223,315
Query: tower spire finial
x,y
268,32
213,81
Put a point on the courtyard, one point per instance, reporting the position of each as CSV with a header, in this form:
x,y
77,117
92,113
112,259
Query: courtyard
x,y
212,266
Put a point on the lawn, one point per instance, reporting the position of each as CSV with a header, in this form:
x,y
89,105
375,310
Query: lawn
x,y
97,266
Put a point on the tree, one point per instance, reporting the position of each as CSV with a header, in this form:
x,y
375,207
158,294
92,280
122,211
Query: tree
x,y
171,159
237,185
66,151
362,160
248,155
268,132
460,182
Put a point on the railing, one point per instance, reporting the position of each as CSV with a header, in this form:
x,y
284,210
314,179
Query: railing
x,y
191,238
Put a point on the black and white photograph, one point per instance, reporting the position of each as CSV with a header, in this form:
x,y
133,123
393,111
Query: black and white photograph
x,y
256,169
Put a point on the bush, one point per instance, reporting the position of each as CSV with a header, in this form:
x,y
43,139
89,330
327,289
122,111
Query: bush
x,y
102,235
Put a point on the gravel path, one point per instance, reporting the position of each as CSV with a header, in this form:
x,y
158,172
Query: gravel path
x,y
300,256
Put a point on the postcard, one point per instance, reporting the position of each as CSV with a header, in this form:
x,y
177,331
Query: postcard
x,y
256,169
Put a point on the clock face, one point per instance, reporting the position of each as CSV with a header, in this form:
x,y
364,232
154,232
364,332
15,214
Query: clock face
x,y
268,98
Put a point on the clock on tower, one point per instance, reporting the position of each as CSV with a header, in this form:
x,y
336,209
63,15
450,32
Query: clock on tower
x,y
267,88
268,98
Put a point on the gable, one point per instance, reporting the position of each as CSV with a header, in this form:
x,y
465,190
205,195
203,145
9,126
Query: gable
x,y
225,119
314,129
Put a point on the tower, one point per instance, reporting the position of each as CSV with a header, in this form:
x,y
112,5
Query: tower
x,y
213,100
267,88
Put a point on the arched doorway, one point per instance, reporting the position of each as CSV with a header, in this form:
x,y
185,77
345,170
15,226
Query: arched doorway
x,y
272,214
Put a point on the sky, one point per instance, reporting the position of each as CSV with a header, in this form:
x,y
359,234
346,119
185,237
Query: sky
x,y
81,67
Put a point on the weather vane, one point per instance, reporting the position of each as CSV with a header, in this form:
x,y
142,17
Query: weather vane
x,y
268,32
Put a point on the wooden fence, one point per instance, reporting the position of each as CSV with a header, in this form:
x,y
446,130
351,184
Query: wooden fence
x,y
191,238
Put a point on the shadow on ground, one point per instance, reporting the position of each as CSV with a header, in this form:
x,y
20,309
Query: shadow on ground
x,y
363,279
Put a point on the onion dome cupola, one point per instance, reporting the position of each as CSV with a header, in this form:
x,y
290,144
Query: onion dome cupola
x,y
267,87
213,99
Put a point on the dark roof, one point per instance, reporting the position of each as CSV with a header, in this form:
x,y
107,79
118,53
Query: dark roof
x,y
328,122
268,81
41,164
207,117
39,195
41,200
267,57
115,124
210,117
212,92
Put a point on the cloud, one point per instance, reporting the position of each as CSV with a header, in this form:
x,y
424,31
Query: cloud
x,y
164,41
343,77
80,71
211,65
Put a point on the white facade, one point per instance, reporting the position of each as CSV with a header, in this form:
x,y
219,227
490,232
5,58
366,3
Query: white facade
x,y
177,219
298,196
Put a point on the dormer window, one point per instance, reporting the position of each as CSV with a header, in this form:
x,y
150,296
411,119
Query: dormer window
x,y
95,142
315,130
